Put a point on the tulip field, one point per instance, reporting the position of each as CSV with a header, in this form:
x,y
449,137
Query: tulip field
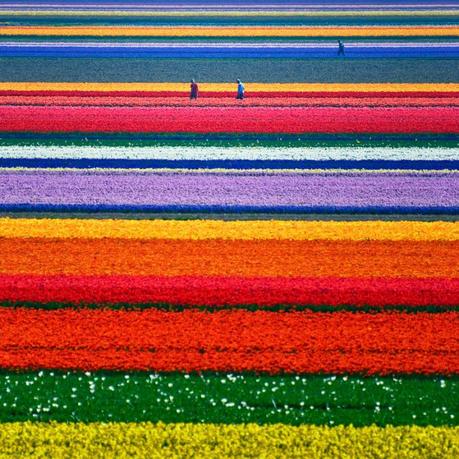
x,y
276,276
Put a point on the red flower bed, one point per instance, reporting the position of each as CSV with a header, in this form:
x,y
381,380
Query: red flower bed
x,y
221,291
229,119
302,342
255,101
219,94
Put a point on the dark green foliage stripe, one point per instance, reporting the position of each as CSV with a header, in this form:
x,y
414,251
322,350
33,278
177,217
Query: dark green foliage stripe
x,y
229,20
248,307
230,140
232,217
227,398
280,70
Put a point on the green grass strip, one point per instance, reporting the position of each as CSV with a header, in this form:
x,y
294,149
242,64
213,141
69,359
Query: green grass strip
x,y
230,140
199,20
267,70
228,398
212,308
234,217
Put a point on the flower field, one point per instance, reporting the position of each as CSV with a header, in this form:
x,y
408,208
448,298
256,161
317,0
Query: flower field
x,y
276,276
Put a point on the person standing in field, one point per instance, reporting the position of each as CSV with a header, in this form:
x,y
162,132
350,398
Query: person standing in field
x,y
240,89
340,48
194,90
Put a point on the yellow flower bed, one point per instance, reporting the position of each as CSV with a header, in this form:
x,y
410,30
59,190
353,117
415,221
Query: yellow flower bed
x,y
229,230
100,440
247,31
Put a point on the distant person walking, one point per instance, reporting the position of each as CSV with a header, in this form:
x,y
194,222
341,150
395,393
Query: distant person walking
x,y
340,48
240,89
194,90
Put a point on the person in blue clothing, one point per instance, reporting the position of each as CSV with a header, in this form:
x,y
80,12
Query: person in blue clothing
x,y
340,48
194,90
240,89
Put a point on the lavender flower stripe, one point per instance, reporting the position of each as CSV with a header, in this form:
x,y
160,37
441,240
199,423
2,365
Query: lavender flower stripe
x,y
345,190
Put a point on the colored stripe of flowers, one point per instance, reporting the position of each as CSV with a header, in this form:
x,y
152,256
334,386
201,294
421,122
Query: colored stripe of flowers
x,y
233,192
341,155
76,87
256,258
239,167
214,12
257,167
272,342
253,31
266,50
44,396
220,440
229,119
384,98
219,292
232,230
226,100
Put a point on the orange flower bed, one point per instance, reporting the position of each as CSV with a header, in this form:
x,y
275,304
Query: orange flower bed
x,y
231,258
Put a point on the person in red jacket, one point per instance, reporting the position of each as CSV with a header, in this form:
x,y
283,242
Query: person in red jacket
x,y
194,90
